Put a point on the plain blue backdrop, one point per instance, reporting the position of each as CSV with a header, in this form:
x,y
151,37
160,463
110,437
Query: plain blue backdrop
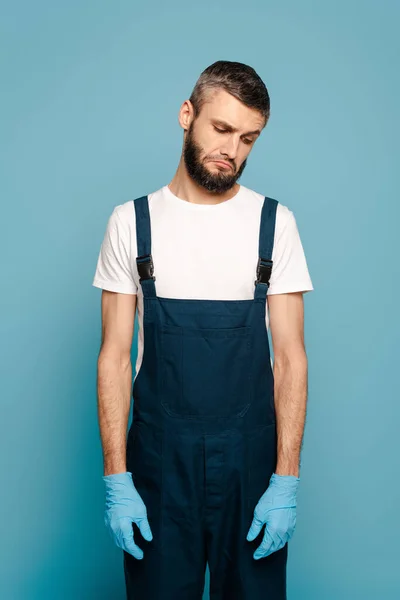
x,y
90,93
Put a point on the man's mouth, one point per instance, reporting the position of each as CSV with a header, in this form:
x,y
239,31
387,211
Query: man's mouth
x,y
223,164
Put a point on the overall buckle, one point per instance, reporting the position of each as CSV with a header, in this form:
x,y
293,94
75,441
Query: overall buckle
x,y
145,267
264,268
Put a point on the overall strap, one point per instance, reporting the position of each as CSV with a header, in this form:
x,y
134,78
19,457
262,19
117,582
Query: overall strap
x,y
144,260
265,247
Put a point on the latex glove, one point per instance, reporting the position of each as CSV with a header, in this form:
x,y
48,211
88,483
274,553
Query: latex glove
x,y
124,506
277,509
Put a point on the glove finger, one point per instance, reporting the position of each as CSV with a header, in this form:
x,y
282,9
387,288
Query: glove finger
x,y
144,528
292,527
128,542
255,529
280,539
266,547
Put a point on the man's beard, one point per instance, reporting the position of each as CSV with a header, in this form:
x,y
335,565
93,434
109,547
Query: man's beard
x,y
217,182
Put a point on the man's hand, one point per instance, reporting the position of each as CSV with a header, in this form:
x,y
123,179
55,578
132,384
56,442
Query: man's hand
x,y
124,506
277,510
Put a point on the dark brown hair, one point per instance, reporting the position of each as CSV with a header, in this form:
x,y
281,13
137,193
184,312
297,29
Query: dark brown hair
x,y
237,79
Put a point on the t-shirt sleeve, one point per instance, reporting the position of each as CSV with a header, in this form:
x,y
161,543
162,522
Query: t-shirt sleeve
x,y
289,270
114,265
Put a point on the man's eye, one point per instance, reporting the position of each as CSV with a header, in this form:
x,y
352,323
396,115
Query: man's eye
x,y
246,140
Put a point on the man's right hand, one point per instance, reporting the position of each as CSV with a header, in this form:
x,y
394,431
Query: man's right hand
x,y
124,506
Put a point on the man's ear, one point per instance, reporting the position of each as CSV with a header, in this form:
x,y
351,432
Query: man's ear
x,y
186,115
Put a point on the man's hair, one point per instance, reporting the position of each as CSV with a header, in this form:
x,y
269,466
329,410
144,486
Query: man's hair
x,y
237,79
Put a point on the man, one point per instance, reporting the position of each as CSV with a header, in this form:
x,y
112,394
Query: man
x,y
209,470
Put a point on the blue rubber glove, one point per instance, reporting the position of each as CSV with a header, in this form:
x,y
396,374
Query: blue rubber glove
x,y
277,509
124,506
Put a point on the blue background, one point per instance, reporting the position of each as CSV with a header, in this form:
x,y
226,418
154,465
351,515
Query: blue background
x,y
89,103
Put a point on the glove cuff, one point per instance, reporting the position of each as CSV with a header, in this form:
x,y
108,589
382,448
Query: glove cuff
x,y
118,477
290,482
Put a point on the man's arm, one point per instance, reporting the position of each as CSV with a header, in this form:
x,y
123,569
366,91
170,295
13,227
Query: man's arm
x,y
286,315
114,377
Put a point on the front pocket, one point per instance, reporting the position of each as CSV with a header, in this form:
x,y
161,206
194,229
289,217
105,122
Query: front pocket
x,y
205,372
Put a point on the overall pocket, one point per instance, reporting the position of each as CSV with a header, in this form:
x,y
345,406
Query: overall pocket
x,y
205,373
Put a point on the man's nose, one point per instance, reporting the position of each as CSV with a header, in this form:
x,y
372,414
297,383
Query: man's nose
x,y
230,147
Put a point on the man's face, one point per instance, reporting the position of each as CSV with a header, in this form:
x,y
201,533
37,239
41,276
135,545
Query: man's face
x,y
225,130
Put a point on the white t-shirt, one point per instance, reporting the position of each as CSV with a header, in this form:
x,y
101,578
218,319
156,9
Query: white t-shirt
x,y
201,251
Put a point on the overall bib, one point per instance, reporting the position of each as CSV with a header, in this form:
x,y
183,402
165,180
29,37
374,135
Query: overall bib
x,y
202,445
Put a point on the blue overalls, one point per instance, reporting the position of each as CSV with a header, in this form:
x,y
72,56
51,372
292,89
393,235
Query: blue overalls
x,y
202,445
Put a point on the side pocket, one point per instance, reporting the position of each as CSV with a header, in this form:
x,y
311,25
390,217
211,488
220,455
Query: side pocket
x,y
130,448
262,456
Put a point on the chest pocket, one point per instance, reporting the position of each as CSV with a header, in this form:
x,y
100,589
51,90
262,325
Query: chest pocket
x,y
205,373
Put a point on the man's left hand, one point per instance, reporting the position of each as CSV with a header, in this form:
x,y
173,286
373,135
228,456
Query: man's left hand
x,y
277,510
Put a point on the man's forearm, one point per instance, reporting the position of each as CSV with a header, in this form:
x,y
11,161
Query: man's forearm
x,y
290,388
114,381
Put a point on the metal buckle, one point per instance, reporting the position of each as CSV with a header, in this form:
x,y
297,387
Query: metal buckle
x,y
264,268
145,267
